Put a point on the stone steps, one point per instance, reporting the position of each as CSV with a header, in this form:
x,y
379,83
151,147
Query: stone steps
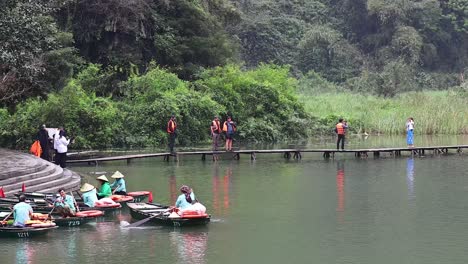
x,y
55,174
20,165
47,169
37,175
72,184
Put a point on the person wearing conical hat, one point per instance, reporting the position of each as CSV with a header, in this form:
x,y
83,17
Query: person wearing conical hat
x,y
105,190
119,184
89,194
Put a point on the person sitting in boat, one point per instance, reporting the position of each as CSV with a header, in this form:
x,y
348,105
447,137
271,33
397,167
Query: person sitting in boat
x,y
118,184
22,212
105,190
89,194
186,199
65,204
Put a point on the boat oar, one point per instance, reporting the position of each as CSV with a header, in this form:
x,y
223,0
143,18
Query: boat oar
x,y
77,209
48,215
138,223
8,215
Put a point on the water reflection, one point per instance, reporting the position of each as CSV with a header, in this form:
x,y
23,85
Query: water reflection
x,y
340,177
173,188
190,245
25,253
410,178
221,185
70,247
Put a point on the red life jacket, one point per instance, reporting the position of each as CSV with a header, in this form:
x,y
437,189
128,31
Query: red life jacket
x,y
171,126
216,126
340,130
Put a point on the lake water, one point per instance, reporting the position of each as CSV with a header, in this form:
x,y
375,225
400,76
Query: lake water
x,y
272,210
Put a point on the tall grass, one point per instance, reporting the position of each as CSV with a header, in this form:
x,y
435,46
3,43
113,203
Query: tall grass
x,y
434,112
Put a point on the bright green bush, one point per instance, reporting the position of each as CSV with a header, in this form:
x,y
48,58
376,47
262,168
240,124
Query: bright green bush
x,y
151,100
93,120
262,101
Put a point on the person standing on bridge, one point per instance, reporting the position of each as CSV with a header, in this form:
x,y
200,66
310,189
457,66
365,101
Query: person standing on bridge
x,y
215,131
410,132
229,127
340,130
172,131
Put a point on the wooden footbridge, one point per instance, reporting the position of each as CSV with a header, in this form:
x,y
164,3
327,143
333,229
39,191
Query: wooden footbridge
x,y
287,153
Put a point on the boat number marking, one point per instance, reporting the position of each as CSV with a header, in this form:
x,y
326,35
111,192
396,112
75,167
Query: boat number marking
x,y
23,234
74,223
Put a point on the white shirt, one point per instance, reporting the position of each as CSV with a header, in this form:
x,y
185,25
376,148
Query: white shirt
x,y
61,144
55,141
410,125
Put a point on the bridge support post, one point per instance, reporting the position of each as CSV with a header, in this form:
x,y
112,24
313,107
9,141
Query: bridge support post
x,y
253,156
203,156
376,154
128,161
297,155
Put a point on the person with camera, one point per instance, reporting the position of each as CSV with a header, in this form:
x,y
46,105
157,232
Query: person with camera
x,y
61,145
410,132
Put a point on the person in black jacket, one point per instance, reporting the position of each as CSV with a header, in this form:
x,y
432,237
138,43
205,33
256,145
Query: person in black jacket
x,y
44,139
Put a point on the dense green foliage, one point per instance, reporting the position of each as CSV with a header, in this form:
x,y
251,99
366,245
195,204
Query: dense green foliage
x,y
383,47
113,71
139,119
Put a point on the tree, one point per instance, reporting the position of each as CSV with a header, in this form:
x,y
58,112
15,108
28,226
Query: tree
x,y
457,12
325,51
27,32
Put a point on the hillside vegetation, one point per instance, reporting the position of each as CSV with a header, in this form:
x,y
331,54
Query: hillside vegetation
x,y
113,71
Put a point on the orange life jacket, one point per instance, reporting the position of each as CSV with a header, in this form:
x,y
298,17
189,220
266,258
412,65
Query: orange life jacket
x,y
171,126
36,149
225,126
216,126
340,130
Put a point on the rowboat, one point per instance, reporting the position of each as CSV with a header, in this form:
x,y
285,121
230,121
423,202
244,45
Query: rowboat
x,y
80,219
24,232
138,196
46,209
160,216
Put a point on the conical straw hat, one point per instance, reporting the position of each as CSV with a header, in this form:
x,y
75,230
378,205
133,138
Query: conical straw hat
x,y
103,178
117,175
86,187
